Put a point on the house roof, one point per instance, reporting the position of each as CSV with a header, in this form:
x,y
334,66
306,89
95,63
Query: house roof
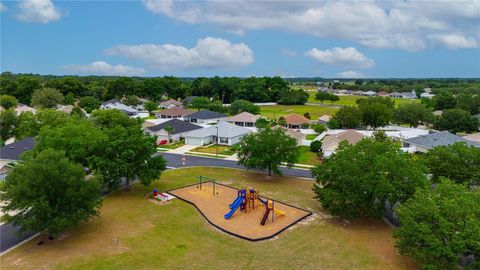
x,y
21,108
473,137
382,93
206,114
296,119
225,129
178,126
175,111
170,102
438,139
296,134
111,101
244,117
14,150
351,136
325,118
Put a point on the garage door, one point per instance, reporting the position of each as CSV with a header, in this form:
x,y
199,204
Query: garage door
x,y
193,141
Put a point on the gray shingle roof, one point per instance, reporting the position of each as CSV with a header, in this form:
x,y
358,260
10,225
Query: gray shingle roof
x,y
14,150
205,114
438,139
225,129
178,126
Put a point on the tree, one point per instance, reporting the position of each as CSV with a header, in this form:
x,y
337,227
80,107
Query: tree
x,y
348,117
458,162
376,111
267,149
200,103
8,122
316,146
333,124
261,123
89,103
443,101
112,118
359,179
169,130
77,112
281,121
438,226
47,98
217,106
132,100
150,106
241,105
307,115
69,99
413,114
49,193
319,128
31,124
8,102
322,96
457,120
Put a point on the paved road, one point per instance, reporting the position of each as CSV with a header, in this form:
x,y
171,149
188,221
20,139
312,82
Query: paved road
x,y
174,160
9,233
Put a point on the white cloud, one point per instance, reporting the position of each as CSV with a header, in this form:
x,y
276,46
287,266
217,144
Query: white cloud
x,y
209,52
103,68
455,41
38,11
378,24
2,7
288,52
350,74
341,56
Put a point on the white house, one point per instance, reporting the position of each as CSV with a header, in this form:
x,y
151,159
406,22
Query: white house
x,y
426,95
223,133
244,119
116,104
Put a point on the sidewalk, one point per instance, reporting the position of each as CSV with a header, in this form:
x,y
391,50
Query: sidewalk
x,y
182,149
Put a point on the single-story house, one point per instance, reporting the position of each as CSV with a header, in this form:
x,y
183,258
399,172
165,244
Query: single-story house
x,y
396,95
21,108
116,104
383,94
370,93
426,142
296,134
324,119
170,103
223,133
473,138
296,121
173,112
205,116
358,93
179,127
244,119
426,95
331,142
10,154
409,95
67,109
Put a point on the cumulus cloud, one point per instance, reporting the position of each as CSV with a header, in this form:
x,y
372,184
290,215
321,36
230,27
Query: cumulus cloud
x,y
288,52
455,41
2,7
341,56
38,11
209,53
378,24
350,74
104,68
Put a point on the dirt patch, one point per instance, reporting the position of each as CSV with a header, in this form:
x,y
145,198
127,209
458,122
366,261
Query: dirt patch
x,y
243,224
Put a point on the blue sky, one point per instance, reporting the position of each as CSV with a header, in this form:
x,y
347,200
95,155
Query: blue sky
x,y
242,38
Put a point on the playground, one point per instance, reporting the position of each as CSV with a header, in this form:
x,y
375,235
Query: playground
x,y
240,212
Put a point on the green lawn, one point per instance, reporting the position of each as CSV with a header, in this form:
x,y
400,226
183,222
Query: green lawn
x,y
279,110
307,157
212,149
176,236
311,136
174,145
350,100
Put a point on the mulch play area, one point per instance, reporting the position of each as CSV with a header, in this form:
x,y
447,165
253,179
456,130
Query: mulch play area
x,y
225,210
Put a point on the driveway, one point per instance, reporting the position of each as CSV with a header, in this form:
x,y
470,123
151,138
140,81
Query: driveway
x,y
182,149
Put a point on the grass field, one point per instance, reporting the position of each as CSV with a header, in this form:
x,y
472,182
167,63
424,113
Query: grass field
x,y
279,110
350,100
212,149
307,157
311,136
174,145
176,236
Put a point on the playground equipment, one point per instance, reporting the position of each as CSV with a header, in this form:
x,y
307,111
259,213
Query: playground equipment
x,y
269,208
239,202
162,197
202,179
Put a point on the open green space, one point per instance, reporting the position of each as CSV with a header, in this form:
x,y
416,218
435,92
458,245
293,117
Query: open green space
x,y
212,149
132,232
174,145
307,157
311,136
281,110
351,100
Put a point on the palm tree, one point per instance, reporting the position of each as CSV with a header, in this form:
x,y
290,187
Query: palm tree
x,y
169,130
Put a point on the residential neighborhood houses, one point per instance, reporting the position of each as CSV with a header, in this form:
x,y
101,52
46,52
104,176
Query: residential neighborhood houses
x,y
206,117
178,130
11,153
223,133
244,119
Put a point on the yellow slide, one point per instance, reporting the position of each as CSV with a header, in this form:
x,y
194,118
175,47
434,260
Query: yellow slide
x,y
279,212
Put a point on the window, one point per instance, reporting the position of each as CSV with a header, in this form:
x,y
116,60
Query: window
x,y
223,140
248,124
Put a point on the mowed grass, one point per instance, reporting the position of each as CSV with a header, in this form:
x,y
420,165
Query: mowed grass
x,y
212,149
176,236
351,100
282,110
307,157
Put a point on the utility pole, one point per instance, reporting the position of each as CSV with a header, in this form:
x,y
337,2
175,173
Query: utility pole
x,y
217,139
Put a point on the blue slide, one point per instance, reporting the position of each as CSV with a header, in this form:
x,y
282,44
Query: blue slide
x,y
234,206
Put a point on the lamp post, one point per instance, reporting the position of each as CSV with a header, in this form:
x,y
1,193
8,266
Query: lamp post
x,y
217,140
